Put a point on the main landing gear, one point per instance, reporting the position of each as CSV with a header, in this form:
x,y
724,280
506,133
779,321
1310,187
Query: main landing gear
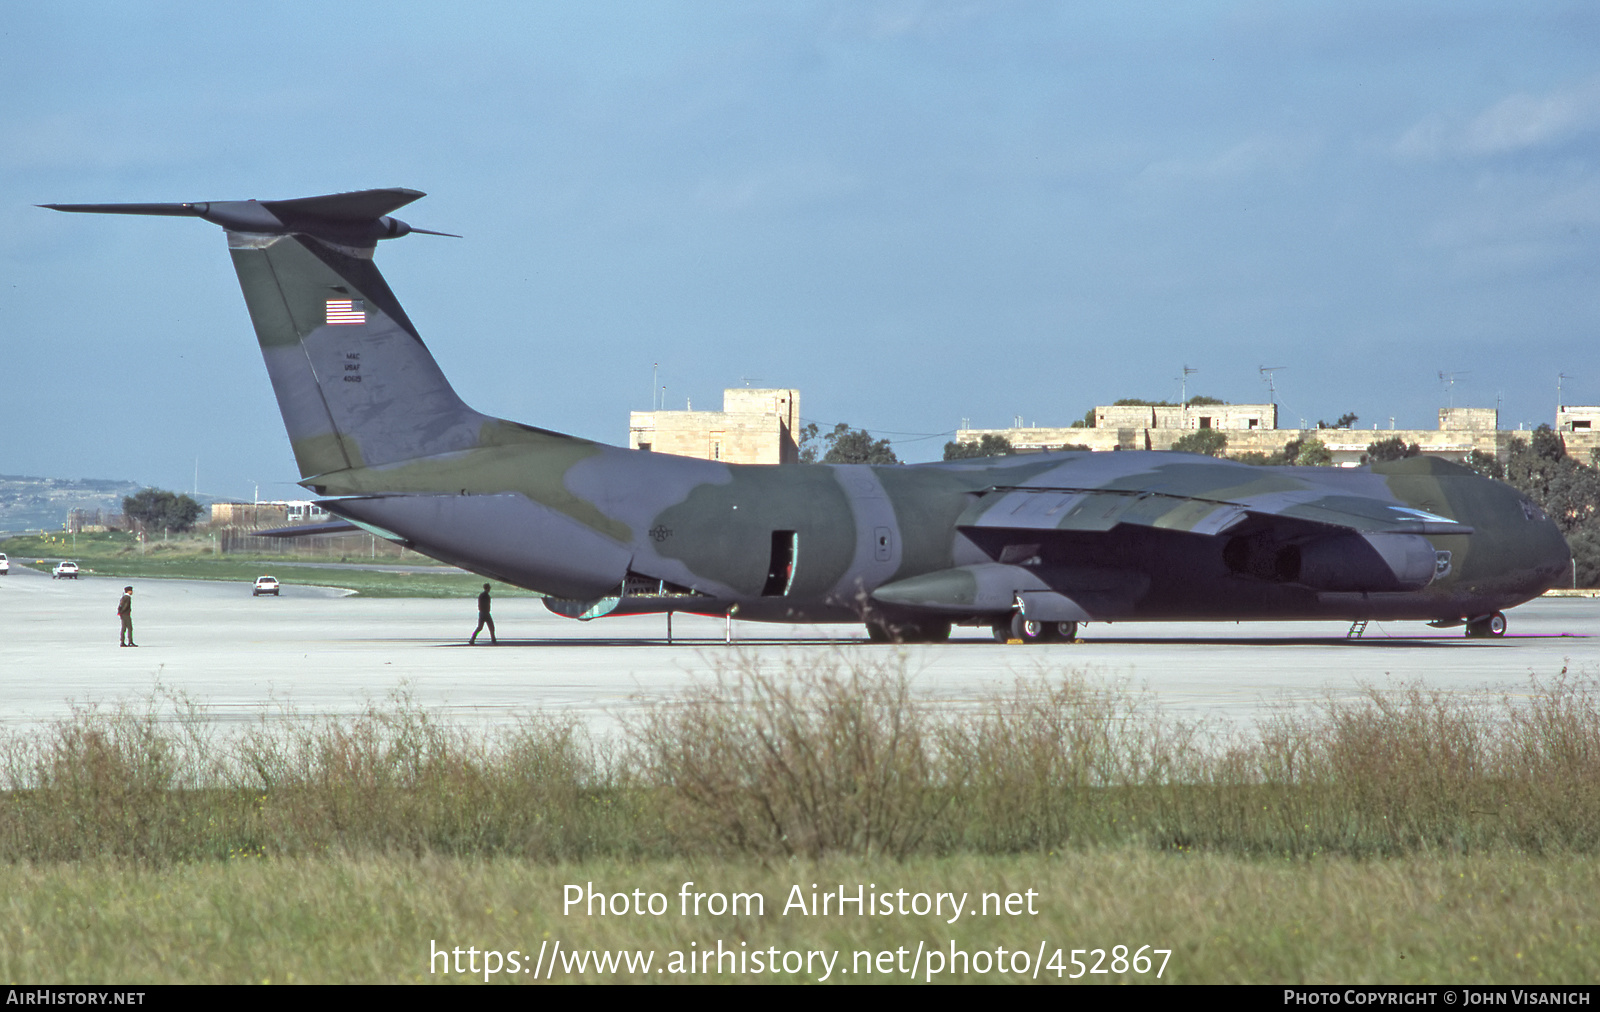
x,y
1488,625
1033,631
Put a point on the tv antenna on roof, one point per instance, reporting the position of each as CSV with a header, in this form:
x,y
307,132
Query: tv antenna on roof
x,y
1266,372
1449,380
1183,385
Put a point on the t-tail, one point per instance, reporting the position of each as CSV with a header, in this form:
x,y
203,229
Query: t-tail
x,y
356,385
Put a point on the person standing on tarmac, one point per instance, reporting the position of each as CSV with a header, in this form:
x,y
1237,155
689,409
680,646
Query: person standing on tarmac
x,y
125,613
483,619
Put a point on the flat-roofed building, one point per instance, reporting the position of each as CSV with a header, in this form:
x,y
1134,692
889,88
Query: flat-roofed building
x,y
1253,428
266,514
1577,419
753,427
1189,417
1468,419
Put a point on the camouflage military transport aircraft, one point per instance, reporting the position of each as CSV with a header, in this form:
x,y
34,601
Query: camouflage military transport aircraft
x,y
1028,545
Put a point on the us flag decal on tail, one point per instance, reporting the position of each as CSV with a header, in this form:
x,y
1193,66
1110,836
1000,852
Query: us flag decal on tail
x,y
346,311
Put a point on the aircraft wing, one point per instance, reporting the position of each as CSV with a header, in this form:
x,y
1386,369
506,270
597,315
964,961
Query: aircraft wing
x,y
1088,510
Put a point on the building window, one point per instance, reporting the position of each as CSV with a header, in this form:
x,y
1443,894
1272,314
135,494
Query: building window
x,y
645,447
1205,421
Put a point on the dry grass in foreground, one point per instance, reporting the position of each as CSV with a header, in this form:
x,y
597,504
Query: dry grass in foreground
x,y
841,758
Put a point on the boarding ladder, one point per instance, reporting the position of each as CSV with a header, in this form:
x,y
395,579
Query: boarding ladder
x,y
1357,627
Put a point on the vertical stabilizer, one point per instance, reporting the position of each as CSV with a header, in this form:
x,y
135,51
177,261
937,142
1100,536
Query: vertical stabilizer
x,y
356,385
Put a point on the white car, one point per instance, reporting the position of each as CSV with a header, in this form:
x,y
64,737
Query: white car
x,y
65,571
265,585
5,564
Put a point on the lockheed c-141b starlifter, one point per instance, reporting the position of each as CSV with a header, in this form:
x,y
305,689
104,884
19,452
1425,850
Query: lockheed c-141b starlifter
x,y
1031,545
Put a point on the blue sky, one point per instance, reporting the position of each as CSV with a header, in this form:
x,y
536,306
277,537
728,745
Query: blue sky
x,y
913,212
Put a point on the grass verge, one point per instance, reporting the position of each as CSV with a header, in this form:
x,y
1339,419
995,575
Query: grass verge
x,y
191,558
838,757
1463,919
1407,838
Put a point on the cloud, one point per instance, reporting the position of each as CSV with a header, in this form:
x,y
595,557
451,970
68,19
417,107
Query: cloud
x,y
1518,122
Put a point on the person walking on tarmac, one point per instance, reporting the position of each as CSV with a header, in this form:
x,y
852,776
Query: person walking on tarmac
x,y
125,613
483,619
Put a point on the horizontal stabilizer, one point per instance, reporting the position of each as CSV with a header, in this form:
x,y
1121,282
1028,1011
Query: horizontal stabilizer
x,y
357,218
361,205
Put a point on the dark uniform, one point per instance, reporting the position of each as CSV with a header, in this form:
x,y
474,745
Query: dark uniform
x,y
125,612
483,619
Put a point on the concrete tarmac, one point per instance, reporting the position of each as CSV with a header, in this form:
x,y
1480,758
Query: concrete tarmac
x,y
318,650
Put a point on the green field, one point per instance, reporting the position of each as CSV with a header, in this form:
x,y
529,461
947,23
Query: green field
x,y
376,919
193,557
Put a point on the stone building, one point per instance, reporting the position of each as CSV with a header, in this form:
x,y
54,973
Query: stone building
x,y
254,515
1580,430
753,427
1253,428
1187,417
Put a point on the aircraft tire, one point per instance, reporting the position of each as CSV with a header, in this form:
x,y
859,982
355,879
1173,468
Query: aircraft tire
x,y
1492,625
1002,630
1028,631
1064,632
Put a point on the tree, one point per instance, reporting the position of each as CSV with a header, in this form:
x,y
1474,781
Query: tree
x,y
158,509
1344,421
1485,464
1086,422
1299,452
1393,448
1312,453
808,443
1210,442
990,445
1547,444
1201,400
849,446
1567,491
1585,547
